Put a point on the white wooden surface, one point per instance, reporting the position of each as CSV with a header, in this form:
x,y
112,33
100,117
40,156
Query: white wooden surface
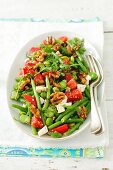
x,y
68,9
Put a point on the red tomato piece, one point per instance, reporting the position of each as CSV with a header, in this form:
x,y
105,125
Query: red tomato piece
x,y
44,74
74,95
66,61
72,84
37,122
30,63
25,71
33,49
61,129
38,77
30,99
31,71
68,77
64,38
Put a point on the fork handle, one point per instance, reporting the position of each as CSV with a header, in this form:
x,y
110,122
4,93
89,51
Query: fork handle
x,y
98,109
95,120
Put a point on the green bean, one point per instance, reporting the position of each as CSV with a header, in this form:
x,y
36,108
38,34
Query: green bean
x,y
63,84
87,92
55,134
84,69
84,62
55,89
74,128
37,99
29,112
49,121
67,116
75,120
55,125
78,103
48,94
69,108
93,75
23,109
36,94
25,119
43,94
34,130
48,87
46,104
88,107
49,113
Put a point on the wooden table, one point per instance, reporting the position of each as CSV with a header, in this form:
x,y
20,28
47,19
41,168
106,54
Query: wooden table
x,y
68,9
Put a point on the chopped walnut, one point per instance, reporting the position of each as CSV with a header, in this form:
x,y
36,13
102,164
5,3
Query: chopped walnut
x,y
39,82
24,83
40,55
83,112
26,88
57,97
77,47
58,53
56,47
74,55
34,110
56,84
52,75
55,74
69,49
82,77
50,40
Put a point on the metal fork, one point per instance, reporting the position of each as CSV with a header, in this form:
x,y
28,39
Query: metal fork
x,y
98,69
96,119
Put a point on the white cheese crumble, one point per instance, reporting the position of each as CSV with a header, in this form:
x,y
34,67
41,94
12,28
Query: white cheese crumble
x,y
88,78
43,131
60,108
42,100
81,87
39,89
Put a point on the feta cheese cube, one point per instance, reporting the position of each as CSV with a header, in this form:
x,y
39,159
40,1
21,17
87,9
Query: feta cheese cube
x,y
39,89
88,78
81,87
64,100
42,100
43,131
60,108
67,104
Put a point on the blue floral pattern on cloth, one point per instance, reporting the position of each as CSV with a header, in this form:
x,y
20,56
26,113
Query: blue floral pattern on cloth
x,y
18,151
51,152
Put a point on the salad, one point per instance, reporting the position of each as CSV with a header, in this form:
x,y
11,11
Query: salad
x,y
52,88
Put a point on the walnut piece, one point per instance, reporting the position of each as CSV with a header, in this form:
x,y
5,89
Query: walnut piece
x,y
34,110
39,82
40,55
82,77
50,40
55,74
57,97
69,49
77,47
56,84
56,47
58,53
83,112
24,83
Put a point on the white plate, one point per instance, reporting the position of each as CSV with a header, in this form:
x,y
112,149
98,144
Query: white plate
x,y
19,62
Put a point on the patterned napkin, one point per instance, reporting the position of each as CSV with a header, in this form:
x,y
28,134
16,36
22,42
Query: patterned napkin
x,y
12,148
